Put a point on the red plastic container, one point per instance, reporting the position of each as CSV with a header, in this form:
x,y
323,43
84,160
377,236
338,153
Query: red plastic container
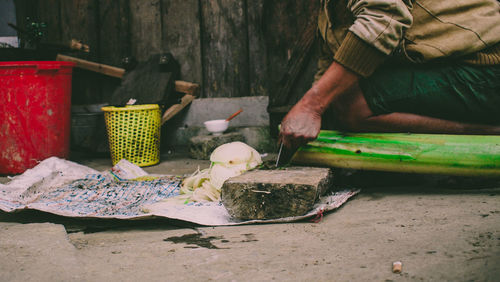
x,y
35,113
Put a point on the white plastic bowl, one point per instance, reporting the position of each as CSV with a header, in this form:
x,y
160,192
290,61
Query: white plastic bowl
x,y
217,126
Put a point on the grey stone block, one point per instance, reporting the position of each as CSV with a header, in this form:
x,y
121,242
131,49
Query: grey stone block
x,y
253,122
259,138
267,194
254,111
200,147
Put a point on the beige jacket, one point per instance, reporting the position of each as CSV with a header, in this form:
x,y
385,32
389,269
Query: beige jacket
x,y
361,34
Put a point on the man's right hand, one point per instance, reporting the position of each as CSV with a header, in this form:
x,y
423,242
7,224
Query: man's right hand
x,y
300,126
303,123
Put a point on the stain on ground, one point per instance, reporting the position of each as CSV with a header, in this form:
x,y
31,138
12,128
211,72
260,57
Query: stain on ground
x,y
250,237
196,239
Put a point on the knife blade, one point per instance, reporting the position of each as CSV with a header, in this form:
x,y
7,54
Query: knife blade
x,y
285,155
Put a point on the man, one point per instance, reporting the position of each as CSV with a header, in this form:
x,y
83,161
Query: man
x,y
422,66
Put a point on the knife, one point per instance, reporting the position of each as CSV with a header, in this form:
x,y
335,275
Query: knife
x,y
285,155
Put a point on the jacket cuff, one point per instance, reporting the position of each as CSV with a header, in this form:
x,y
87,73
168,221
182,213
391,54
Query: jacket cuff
x,y
358,56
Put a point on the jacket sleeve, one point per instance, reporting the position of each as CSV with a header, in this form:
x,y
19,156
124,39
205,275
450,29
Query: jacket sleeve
x,y
376,32
324,60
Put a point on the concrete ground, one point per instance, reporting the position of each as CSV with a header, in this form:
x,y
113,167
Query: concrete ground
x,y
441,229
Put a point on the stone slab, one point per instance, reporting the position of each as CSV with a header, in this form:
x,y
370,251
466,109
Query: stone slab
x,y
258,138
202,146
254,111
267,194
253,122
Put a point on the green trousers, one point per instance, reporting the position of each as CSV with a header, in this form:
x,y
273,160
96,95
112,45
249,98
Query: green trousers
x,y
451,91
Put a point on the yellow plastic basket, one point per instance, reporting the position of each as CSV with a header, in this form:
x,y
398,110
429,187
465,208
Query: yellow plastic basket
x,y
134,133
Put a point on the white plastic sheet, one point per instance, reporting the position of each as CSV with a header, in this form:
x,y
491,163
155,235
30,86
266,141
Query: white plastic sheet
x,y
126,191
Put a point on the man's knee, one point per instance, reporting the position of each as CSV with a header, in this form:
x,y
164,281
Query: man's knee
x,y
350,120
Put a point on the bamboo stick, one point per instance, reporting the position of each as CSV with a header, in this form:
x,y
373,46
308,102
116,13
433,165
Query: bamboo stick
x,y
468,155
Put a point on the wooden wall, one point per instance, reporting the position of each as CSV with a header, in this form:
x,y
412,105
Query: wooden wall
x,y
233,48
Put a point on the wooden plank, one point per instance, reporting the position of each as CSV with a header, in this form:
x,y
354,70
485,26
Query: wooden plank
x,y
224,49
114,37
92,66
48,12
298,60
258,63
187,87
74,44
181,36
467,155
145,26
176,108
80,22
180,85
191,90
283,30
114,40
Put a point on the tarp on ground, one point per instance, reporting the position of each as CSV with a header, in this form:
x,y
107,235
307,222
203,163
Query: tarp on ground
x,y
125,191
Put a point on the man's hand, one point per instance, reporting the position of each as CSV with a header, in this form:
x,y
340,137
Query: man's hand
x,y
300,126
303,123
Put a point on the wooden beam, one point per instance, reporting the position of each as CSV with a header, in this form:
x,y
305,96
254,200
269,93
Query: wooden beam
x,y
225,49
298,60
175,109
187,87
91,66
190,89
145,28
114,36
181,36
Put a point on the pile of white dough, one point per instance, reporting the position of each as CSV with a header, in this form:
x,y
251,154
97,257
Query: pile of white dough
x,y
228,160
